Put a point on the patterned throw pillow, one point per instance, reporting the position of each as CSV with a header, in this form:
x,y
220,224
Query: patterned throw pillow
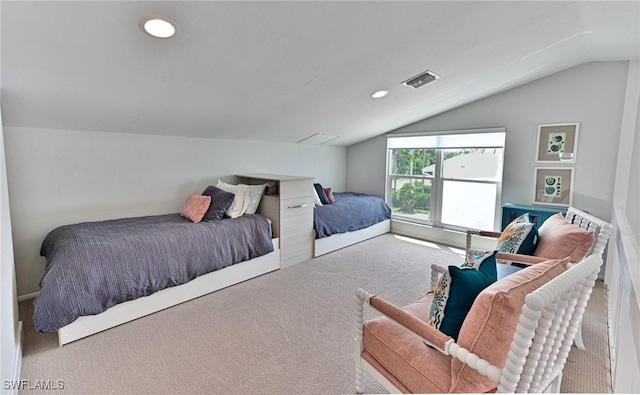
x,y
519,237
195,207
254,194
456,291
524,218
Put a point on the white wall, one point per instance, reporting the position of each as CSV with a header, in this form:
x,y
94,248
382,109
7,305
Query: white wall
x,y
592,94
367,166
10,330
60,177
10,327
622,274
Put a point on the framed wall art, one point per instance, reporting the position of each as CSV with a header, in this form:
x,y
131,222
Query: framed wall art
x,y
553,186
557,143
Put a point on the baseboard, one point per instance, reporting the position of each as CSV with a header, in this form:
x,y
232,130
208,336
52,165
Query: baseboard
x,y
17,362
28,296
440,235
610,332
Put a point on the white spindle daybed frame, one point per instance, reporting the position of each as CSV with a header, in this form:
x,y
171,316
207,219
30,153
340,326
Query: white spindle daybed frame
x,y
576,217
546,329
133,309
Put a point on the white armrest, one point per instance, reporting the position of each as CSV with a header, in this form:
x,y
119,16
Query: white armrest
x,y
430,335
436,272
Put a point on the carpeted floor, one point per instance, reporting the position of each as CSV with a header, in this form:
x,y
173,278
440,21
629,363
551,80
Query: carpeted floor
x,y
589,371
290,331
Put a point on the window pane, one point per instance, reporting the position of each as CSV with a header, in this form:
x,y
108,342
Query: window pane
x,y
412,161
411,197
482,164
455,140
469,204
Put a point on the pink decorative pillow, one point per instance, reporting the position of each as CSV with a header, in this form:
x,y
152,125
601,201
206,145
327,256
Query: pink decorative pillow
x,y
558,239
195,207
327,191
488,329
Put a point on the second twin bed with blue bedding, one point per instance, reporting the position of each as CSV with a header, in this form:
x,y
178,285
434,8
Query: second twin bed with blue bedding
x,y
350,212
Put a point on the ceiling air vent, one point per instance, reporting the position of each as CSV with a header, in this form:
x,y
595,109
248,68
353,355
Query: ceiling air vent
x,y
421,79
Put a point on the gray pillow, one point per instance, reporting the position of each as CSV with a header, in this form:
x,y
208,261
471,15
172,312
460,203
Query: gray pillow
x,y
220,203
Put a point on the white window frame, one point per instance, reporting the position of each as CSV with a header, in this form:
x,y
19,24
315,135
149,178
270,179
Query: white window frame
x,y
437,180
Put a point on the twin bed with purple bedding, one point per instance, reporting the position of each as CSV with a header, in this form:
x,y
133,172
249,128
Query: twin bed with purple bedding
x,y
93,266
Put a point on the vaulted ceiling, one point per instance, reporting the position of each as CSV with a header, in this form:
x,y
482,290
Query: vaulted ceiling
x,y
282,71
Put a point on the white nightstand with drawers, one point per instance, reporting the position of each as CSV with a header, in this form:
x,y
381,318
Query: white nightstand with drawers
x,y
291,214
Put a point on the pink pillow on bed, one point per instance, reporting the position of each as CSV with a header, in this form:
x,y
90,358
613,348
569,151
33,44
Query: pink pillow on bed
x,y
327,191
195,207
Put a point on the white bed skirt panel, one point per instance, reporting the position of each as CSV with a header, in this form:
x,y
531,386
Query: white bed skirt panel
x,y
133,309
326,245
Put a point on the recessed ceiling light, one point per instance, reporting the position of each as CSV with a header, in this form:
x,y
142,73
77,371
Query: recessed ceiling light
x,y
159,28
379,94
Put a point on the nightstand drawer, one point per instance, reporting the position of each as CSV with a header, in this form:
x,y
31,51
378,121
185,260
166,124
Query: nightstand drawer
x,y
290,212
295,210
296,230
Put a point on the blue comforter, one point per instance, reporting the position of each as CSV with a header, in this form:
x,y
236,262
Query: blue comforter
x,y
95,265
351,211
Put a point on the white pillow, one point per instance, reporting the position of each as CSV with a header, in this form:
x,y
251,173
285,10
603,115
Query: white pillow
x,y
254,195
316,198
240,200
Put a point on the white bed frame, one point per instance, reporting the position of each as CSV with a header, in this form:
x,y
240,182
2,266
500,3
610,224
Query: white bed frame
x,y
326,245
210,282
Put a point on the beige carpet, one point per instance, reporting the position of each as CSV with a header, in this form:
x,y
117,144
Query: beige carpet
x,y
590,370
290,331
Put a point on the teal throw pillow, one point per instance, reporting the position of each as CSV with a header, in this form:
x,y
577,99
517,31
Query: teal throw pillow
x,y
457,290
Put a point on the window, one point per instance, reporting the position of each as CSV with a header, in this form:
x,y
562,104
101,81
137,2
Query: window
x,y
447,179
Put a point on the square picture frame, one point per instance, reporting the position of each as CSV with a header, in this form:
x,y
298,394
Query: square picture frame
x,y
553,186
557,143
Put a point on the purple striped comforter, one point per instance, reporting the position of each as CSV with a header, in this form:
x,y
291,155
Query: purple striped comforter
x,y
95,265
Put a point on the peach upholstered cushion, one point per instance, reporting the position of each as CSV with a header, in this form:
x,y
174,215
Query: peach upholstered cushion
x,y
404,356
195,207
379,368
488,329
558,239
